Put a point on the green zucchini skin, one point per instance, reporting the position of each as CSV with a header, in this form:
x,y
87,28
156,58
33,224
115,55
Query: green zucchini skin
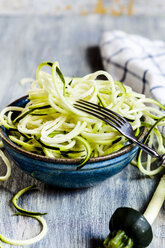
x,y
134,224
30,110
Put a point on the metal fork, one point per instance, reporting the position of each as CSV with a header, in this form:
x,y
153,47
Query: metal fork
x,y
117,121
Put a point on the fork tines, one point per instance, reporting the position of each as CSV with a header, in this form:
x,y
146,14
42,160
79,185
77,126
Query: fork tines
x,y
100,112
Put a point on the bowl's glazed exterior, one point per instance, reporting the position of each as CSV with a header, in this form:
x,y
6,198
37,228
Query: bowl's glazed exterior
x,y
62,172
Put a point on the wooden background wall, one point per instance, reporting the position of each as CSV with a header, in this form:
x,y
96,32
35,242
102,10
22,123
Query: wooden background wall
x,y
83,7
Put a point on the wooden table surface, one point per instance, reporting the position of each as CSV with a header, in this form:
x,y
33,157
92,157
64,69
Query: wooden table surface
x,y
76,218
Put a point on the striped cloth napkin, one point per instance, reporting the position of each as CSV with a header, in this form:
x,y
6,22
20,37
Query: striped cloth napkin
x,y
135,61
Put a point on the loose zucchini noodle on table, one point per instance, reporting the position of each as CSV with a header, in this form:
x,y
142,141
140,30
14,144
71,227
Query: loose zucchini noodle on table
x,y
49,124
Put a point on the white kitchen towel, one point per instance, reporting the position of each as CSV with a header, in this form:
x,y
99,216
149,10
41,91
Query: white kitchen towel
x,y
135,61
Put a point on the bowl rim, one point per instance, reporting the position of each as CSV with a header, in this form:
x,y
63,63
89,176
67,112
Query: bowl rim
x,y
21,151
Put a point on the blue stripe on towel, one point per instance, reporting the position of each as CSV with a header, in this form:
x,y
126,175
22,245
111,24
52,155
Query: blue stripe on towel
x,y
110,41
156,87
126,70
146,55
107,60
144,80
154,62
119,51
149,56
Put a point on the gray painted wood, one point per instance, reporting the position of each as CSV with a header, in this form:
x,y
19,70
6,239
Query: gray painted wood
x,y
76,218
82,7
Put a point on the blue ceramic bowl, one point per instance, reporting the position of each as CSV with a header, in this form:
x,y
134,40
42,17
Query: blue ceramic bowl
x,y
62,172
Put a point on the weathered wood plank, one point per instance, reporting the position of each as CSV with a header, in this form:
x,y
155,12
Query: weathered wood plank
x,y
76,218
82,7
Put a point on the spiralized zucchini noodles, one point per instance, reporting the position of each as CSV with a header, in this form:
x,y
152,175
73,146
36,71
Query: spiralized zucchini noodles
x,y
36,215
50,125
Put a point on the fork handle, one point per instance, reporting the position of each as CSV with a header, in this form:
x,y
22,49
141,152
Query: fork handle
x,y
147,149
